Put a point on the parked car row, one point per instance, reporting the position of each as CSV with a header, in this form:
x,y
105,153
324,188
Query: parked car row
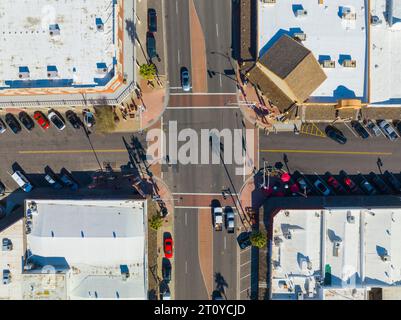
x,y
218,217
44,121
366,129
343,184
64,179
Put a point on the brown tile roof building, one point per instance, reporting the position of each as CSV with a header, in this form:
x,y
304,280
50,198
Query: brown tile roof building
x,y
287,73
248,30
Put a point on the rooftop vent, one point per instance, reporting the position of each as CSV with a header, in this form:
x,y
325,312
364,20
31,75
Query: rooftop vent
x,y
54,29
347,14
328,63
350,217
23,73
301,13
101,68
349,63
288,235
301,36
375,20
386,258
336,248
52,72
99,24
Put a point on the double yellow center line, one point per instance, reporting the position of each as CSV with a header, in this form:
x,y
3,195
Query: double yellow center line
x,y
366,153
72,151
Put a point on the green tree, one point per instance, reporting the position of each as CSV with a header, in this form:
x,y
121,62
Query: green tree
x,y
155,222
258,239
148,71
105,119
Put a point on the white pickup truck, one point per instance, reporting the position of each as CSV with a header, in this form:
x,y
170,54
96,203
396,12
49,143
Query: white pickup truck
x,y
218,218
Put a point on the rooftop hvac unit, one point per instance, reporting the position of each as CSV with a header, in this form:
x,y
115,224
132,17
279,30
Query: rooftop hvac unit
x,y
386,258
301,13
336,248
350,217
349,63
32,205
101,68
328,63
54,29
288,235
347,14
277,240
375,20
99,24
299,36
52,72
300,295
268,1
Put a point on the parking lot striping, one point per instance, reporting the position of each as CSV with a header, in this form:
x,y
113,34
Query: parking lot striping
x,y
72,151
243,277
245,263
245,289
368,153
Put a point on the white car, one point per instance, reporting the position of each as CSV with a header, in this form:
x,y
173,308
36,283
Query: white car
x,y
387,129
3,127
57,121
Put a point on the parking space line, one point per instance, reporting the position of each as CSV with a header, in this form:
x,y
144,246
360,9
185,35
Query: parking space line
x,y
328,152
350,129
245,289
245,263
243,277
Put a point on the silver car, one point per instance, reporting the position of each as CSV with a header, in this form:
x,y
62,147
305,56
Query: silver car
x,y
3,127
387,130
373,128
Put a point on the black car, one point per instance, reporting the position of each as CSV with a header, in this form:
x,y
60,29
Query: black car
x,y
166,270
366,186
303,183
67,179
360,130
152,20
151,45
393,181
73,119
379,183
26,120
2,189
52,179
13,123
244,240
335,134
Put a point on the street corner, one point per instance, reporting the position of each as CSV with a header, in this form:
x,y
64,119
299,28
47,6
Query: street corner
x,y
251,195
164,196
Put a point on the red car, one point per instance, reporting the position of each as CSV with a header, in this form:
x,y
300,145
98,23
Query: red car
x,y
168,247
41,120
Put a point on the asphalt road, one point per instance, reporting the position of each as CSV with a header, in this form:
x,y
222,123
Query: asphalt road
x,y
225,263
178,39
215,18
311,154
202,178
70,149
189,284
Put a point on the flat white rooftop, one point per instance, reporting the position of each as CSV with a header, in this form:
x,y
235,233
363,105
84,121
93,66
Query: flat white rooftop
x,y
335,254
385,51
75,52
328,36
90,241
